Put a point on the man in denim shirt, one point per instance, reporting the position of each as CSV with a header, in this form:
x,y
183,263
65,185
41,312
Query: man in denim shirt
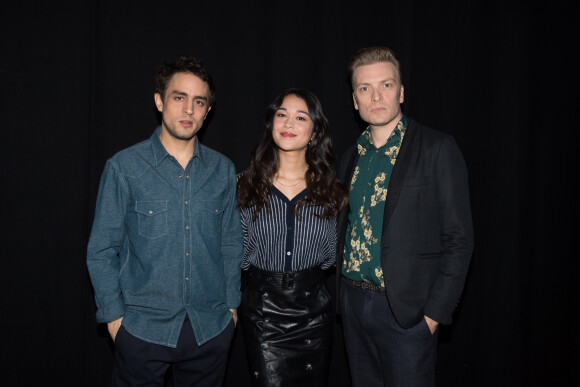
x,y
166,245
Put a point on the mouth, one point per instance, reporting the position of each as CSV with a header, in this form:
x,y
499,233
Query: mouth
x,y
186,123
287,134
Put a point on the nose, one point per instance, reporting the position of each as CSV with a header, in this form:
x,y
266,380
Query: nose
x,y
288,123
188,108
376,96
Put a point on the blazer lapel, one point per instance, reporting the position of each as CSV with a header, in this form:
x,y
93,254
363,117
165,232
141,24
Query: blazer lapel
x,y
400,170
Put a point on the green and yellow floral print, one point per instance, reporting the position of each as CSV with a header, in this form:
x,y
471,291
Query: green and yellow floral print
x,y
368,193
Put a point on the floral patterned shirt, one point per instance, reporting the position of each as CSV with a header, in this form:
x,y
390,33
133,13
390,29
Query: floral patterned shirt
x,y
368,192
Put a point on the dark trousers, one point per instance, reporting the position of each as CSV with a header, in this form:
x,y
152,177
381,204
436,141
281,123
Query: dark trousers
x,y
380,352
139,363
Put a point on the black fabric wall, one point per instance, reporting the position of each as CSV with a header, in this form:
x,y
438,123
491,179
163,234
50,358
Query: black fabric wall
x,y
76,85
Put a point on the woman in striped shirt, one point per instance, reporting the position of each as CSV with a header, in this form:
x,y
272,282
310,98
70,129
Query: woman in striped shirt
x,y
289,198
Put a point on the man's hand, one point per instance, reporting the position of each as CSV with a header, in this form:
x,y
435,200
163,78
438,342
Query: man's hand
x,y
432,324
113,327
235,316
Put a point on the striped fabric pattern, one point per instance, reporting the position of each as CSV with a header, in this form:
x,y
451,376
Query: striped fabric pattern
x,y
279,241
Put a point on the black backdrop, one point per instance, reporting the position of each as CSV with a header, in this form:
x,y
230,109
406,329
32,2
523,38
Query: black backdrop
x,y
76,85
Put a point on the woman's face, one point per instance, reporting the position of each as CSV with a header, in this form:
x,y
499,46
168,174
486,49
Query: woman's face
x,y
292,127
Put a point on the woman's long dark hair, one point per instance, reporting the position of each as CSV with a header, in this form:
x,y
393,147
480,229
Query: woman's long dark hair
x,y
324,190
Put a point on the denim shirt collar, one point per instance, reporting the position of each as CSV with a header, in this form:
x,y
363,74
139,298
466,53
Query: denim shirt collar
x,y
161,153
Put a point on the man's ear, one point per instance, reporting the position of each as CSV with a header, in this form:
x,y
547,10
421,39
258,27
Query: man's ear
x,y
354,101
206,113
402,95
158,101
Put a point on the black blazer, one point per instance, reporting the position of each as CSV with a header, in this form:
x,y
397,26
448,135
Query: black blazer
x,y
427,235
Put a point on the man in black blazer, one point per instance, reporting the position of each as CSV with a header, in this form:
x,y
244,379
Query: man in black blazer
x,y
406,238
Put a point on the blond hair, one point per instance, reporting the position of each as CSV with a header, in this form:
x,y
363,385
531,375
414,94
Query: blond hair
x,y
370,55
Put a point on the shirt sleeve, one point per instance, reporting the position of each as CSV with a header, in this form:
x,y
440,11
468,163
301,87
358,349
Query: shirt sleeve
x,y
330,244
232,245
105,242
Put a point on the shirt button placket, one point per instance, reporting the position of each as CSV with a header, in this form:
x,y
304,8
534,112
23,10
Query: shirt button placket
x,y
187,237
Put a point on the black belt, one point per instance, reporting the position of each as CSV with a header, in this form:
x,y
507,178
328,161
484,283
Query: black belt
x,y
364,285
306,278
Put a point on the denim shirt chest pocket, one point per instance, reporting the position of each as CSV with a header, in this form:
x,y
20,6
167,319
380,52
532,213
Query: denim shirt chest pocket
x,y
152,218
212,212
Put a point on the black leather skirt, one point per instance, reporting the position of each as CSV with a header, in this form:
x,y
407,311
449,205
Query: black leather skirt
x,y
287,323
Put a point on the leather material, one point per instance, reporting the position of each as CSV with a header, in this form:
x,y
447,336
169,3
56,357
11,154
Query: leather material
x,y
287,323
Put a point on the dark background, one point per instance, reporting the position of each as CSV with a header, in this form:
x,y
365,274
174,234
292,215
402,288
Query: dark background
x,y
76,86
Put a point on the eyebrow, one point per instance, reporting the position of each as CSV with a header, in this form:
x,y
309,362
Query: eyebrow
x,y
185,94
382,81
299,111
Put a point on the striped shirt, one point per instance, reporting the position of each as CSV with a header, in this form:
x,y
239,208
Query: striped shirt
x,y
278,241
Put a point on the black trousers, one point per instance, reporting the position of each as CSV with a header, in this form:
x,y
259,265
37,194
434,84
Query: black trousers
x,y
380,352
287,322
140,363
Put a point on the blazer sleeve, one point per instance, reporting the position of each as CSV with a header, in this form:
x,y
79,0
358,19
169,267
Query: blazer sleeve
x,y
454,212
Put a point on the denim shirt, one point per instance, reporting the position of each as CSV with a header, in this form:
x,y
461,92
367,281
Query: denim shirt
x,y
166,242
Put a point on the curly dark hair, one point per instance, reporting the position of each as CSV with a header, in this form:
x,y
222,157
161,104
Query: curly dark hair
x,y
183,65
255,184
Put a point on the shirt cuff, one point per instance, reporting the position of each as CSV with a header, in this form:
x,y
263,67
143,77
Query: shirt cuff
x,y
111,312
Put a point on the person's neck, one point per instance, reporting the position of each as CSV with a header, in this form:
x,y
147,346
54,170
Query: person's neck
x,y
290,179
380,134
293,165
182,150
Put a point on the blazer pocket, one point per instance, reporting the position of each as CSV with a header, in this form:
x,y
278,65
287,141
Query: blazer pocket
x,y
417,181
415,190
421,214
428,255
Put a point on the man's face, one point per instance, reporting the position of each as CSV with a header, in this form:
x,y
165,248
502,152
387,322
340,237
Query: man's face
x,y
378,94
184,106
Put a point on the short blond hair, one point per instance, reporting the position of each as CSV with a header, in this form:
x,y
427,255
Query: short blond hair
x,y
370,55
